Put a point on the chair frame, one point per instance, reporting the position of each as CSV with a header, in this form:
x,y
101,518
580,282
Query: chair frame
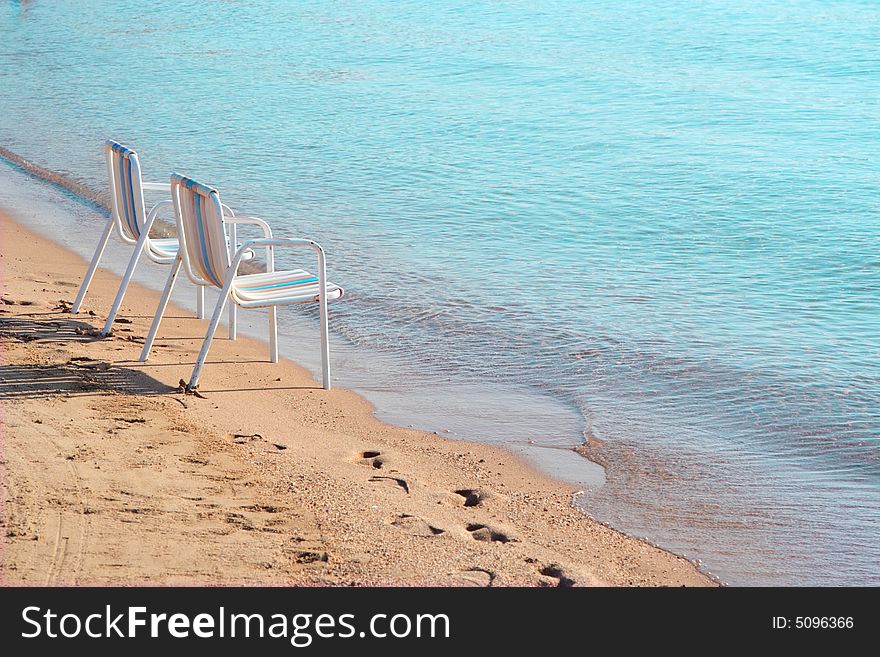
x,y
227,291
114,153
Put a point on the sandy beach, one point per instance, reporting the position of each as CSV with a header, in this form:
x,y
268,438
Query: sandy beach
x,y
110,475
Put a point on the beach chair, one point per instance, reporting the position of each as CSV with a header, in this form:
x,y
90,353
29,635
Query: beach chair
x,y
208,260
133,223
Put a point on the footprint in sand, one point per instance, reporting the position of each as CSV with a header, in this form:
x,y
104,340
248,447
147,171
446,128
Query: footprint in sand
x,y
555,576
306,557
372,458
472,496
487,534
396,481
416,526
475,577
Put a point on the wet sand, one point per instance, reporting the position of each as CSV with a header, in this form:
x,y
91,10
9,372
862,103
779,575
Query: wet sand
x,y
112,476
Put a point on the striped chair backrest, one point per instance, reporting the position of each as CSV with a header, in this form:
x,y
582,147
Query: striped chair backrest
x,y
200,228
124,172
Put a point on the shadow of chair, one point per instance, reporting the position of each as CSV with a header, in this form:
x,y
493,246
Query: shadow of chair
x,y
29,329
75,378
78,376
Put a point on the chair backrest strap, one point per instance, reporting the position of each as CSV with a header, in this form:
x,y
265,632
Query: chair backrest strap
x,y
201,230
124,171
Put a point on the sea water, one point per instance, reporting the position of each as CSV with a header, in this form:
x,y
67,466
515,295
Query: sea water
x,y
652,224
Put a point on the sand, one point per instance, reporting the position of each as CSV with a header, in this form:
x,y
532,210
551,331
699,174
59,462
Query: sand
x,y
112,476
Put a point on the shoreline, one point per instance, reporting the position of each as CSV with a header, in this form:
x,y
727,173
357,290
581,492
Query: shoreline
x,y
423,510
558,459
56,179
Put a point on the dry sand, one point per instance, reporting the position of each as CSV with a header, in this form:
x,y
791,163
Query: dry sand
x,y
111,476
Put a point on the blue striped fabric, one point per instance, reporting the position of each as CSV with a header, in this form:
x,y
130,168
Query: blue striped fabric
x,y
204,232
303,281
292,285
127,203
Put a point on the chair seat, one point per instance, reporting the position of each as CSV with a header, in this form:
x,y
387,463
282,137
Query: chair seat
x,y
167,247
290,286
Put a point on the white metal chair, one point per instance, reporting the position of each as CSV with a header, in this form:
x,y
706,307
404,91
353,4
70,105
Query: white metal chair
x,y
208,259
133,223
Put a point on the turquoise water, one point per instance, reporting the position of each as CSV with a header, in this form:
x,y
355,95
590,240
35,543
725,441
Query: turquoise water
x,y
663,214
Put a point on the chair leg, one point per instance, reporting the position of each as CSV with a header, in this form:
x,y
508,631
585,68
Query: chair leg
x,y
233,321
209,337
273,334
126,279
200,301
93,265
233,309
160,310
325,342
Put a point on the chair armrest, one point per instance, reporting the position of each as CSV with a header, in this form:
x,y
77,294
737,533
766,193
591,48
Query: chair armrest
x,y
156,187
151,215
280,241
254,221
